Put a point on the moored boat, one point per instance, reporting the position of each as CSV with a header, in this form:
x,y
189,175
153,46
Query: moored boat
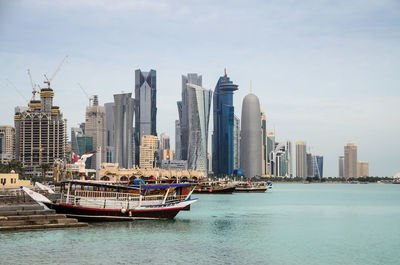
x,y
258,187
91,201
214,188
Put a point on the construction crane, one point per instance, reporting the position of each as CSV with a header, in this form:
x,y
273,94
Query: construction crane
x,y
47,81
34,92
87,95
18,91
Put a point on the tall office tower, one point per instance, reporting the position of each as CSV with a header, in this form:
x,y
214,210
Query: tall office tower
x,y
95,127
222,138
177,140
85,145
301,160
147,151
281,160
341,166
7,139
350,161
123,109
270,148
75,133
236,142
164,141
145,107
109,132
362,169
264,140
317,166
41,135
183,111
309,165
250,137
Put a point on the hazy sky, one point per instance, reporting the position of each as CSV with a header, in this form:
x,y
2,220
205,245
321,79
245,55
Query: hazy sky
x,y
326,72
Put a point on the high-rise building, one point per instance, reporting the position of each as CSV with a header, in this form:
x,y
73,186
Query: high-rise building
x,y
250,137
183,111
301,160
85,145
350,161
264,140
363,168
41,135
281,160
310,171
145,107
123,110
75,133
110,155
95,127
270,148
222,138
341,166
147,151
177,140
236,142
7,139
165,152
318,166
194,115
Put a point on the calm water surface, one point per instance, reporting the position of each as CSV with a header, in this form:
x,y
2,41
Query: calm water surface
x,y
293,224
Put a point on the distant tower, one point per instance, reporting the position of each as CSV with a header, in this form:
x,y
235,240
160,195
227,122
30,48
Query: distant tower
x,y
264,140
145,107
350,161
177,140
363,169
95,127
123,119
222,138
236,143
109,133
341,166
250,153
301,160
270,148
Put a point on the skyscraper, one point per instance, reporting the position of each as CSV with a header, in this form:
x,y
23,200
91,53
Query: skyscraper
x,y
363,169
318,166
236,142
250,135
264,140
7,139
123,110
183,111
177,140
147,151
109,132
95,127
310,165
41,135
281,160
145,107
222,139
301,160
270,147
350,161
341,166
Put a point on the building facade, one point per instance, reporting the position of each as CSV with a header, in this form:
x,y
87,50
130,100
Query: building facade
x,y
341,166
236,142
281,160
363,169
350,161
147,151
301,160
95,127
110,150
270,148
41,136
264,143
7,139
222,138
145,107
318,166
250,137
123,110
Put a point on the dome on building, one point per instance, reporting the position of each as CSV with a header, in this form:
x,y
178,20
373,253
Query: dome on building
x,y
250,144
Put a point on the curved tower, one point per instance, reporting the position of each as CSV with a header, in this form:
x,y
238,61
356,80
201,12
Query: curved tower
x,y
250,143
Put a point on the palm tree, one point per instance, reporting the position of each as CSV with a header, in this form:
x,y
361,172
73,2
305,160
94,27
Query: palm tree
x,y
45,168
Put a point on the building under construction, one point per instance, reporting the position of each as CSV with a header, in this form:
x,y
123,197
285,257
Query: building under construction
x,y
40,134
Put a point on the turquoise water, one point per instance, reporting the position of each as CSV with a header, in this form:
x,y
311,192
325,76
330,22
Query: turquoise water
x,y
293,224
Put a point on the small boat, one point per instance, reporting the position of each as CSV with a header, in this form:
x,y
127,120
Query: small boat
x,y
215,188
258,187
96,201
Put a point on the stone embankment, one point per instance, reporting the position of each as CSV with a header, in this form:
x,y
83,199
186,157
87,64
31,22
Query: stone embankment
x,y
28,215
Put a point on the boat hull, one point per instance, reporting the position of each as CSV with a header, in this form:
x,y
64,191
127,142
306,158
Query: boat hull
x,y
229,190
101,215
246,190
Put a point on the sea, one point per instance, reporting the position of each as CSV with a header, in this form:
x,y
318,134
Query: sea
x,y
291,224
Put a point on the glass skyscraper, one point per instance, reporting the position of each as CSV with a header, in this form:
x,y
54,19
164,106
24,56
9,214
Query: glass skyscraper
x,y
145,107
222,139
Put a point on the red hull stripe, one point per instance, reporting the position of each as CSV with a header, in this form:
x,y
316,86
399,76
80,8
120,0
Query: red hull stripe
x,y
117,210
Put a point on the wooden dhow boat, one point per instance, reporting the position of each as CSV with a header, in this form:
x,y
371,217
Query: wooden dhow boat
x,y
97,201
258,187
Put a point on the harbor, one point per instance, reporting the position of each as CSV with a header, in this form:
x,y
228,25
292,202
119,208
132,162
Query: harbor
x,y
284,226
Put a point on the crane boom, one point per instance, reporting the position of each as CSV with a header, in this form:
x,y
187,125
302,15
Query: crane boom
x,y
58,68
33,85
18,91
87,95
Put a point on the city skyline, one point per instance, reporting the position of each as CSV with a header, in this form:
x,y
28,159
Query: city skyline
x,y
342,83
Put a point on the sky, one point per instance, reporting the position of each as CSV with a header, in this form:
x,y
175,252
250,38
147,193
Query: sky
x,y
326,72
